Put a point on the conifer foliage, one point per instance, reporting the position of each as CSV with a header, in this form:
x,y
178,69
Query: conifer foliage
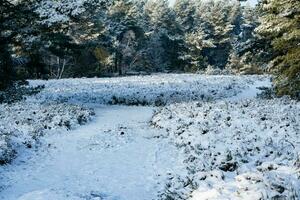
x,y
13,26
280,24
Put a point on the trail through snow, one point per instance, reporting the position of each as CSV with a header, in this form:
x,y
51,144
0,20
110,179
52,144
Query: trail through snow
x,y
116,157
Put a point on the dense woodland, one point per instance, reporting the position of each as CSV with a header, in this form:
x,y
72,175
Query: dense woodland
x,y
86,38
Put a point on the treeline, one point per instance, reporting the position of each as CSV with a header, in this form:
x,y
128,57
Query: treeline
x,y
76,38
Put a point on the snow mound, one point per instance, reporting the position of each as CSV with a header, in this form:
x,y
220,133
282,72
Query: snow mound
x,y
23,123
158,90
234,150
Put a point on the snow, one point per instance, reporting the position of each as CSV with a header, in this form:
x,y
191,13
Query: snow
x,y
52,12
23,123
156,90
251,2
95,160
247,149
210,138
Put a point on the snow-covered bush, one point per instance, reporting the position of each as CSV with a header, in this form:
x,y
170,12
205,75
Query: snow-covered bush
x,y
156,90
210,70
18,92
23,123
234,150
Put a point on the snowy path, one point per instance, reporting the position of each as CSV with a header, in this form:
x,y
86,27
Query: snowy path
x,y
116,157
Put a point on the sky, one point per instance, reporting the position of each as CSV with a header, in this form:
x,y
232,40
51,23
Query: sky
x,y
252,2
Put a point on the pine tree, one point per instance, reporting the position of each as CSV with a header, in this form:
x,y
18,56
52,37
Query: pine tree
x,y
124,33
68,31
161,47
186,18
13,28
196,42
6,19
220,19
245,56
187,22
280,24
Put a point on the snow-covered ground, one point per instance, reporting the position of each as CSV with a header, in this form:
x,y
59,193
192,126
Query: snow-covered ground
x,y
247,149
117,156
212,140
23,123
156,90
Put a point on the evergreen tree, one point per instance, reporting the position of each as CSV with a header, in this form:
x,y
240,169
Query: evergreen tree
x,y
188,24
280,24
13,28
68,32
246,57
161,51
186,18
124,32
220,17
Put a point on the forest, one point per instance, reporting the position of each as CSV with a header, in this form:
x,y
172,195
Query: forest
x,y
100,38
